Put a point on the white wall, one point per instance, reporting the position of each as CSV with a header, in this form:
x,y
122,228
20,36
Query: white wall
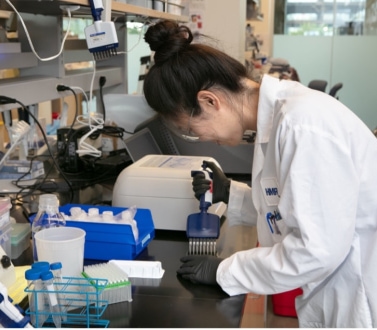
x,y
225,20
350,60
347,59
133,60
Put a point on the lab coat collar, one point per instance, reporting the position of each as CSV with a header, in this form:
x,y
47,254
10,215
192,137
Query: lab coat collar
x,y
269,89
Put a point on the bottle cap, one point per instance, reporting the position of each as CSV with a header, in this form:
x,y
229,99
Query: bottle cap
x,y
56,265
42,266
32,274
93,211
48,201
47,276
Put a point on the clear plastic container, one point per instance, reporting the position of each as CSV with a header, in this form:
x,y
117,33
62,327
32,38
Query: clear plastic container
x,y
56,268
48,216
37,302
52,297
19,238
5,225
32,275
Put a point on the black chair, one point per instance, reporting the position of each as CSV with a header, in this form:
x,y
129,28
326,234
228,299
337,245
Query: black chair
x,y
319,85
334,89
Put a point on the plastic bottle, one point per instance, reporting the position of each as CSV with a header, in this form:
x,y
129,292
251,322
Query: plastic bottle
x,y
107,216
127,217
52,297
48,216
93,214
77,213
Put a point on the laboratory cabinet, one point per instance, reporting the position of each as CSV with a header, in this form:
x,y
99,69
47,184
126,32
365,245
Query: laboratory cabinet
x,y
38,79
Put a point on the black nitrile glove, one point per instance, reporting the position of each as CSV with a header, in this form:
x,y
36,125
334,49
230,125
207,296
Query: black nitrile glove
x,y
199,269
221,184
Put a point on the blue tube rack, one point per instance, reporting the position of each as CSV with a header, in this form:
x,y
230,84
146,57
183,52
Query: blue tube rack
x,y
79,299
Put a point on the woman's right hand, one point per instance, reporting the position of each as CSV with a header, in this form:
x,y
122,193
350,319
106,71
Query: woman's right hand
x,y
220,184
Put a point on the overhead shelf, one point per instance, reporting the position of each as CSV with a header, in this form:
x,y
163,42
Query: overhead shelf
x,y
18,61
118,8
38,79
36,89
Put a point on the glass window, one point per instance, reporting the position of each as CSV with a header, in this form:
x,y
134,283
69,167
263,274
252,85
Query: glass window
x,y
137,49
326,17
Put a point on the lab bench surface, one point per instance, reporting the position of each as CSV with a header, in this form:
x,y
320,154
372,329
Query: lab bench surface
x,y
171,302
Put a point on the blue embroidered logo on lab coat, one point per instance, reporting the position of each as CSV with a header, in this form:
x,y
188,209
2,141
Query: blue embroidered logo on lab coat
x,y
272,219
270,190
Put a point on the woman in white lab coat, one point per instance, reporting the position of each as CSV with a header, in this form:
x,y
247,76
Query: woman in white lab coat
x,y
314,180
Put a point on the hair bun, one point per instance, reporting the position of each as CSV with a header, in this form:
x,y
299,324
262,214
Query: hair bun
x,y
167,38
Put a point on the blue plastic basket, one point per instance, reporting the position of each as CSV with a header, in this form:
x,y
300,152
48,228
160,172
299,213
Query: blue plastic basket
x,y
106,241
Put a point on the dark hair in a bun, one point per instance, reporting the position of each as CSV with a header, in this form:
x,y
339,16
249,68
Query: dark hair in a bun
x,y
183,68
167,39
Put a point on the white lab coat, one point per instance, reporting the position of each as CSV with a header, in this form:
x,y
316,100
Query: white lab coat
x,y
314,173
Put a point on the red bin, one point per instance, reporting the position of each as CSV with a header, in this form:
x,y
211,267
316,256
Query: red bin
x,y
284,303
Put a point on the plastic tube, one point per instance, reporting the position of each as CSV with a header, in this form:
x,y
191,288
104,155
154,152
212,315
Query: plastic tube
x,y
32,275
37,298
56,268
52,298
